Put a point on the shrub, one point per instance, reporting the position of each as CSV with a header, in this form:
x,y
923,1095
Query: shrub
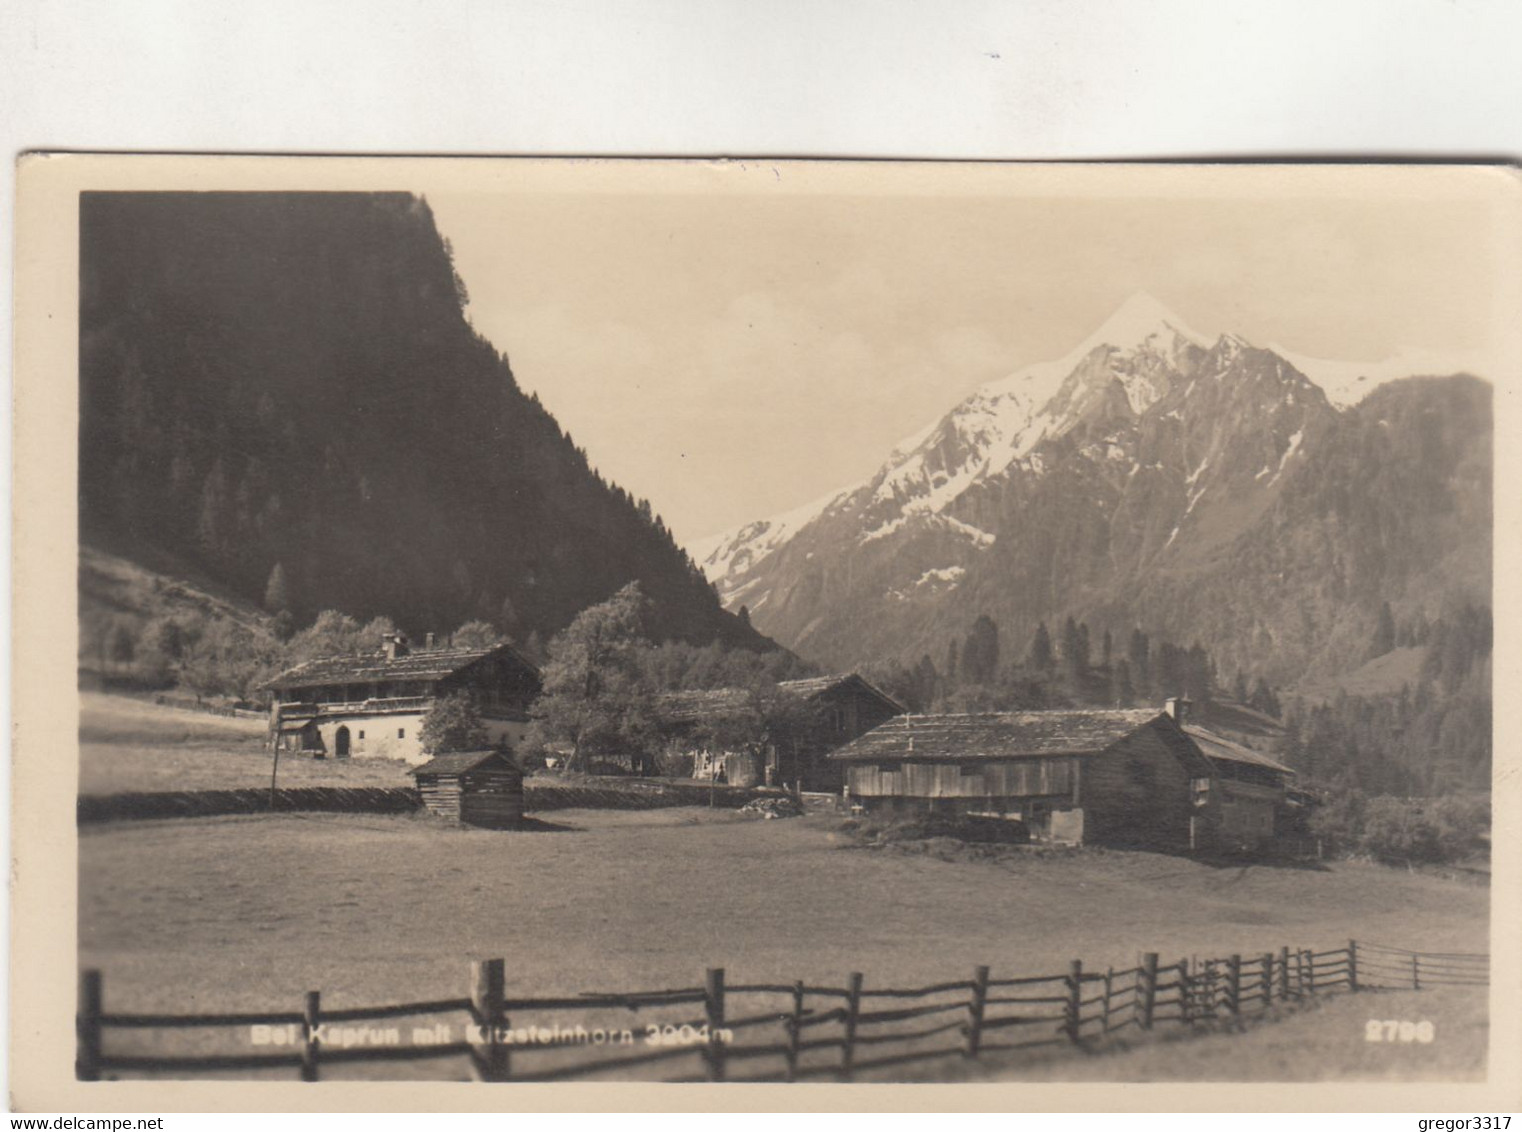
x,y
1396,829
1462,821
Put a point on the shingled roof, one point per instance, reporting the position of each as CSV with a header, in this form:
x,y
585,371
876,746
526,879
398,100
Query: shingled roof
x,y
1218,747
701,703
463,762
993,735
426,664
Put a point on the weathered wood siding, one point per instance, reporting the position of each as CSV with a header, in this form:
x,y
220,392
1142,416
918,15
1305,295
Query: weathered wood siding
x,y
1136,793
844,713
494,801
1011,778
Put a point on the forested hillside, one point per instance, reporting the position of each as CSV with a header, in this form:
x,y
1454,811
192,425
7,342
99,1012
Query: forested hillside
x,y
280,391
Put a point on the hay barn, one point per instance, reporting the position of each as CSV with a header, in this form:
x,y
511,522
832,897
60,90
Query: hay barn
x,y
483,788
1134,777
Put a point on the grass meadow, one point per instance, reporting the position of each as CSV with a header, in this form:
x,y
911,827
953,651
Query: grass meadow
x,y
246,913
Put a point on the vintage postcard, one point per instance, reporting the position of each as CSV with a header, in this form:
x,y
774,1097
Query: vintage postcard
x,y
505,633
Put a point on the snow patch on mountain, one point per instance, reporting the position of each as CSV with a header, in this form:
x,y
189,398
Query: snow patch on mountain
x,y
1346,383
936,580
738,550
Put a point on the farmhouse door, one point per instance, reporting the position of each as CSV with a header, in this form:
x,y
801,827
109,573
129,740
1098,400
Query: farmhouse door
x,y
341,743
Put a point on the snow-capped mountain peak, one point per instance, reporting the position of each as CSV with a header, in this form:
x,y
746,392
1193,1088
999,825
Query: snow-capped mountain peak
x,y
939,489
1139,320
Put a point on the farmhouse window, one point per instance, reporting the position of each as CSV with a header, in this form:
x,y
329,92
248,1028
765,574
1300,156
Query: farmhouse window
x,y
401,733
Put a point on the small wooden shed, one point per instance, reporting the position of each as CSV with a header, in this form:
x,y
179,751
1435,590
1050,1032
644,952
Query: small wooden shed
x,y
482,788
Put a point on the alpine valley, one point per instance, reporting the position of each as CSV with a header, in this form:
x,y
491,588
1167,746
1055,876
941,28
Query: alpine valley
x,y
1204,490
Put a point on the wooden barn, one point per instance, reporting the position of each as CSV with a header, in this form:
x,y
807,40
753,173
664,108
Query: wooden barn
x,y
482,788
372,705
1139,778
841,707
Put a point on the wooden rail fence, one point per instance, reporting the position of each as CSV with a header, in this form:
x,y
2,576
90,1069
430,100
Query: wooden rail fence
x,y
766,1032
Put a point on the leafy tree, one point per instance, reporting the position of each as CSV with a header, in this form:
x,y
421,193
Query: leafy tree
x,y
476,635
766,718
453,723
227,659
331,634
374,633
595,696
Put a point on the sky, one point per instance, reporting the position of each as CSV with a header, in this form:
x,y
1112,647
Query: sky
x,y
732,342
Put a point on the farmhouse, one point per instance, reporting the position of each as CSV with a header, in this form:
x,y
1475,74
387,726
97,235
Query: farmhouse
x,y
372,705
1142,778
834,710
482,788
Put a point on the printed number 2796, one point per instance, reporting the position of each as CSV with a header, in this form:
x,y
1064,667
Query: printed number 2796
x,y
1392,1031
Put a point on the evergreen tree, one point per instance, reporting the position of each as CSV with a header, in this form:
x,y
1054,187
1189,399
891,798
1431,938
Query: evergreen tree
x,y
1239,687
1041,650
1139,655
1122,692
1197,681
277,595
980,652
1384,632
212,523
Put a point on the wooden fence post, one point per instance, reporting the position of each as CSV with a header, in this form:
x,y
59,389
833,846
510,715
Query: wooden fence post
x,y
1185,992
1284,972
1073,1008
311,1022
1416,972
795,1031
1353,965
1234,984
87,1027
1149,988
713,1006
486,995
853,1011
1310,970
975,1009
1104,1024
1267,986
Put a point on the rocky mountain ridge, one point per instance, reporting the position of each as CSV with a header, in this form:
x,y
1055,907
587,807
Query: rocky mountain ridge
x,y
1146,472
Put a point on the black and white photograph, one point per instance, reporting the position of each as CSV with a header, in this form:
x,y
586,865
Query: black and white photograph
x,y
779,622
